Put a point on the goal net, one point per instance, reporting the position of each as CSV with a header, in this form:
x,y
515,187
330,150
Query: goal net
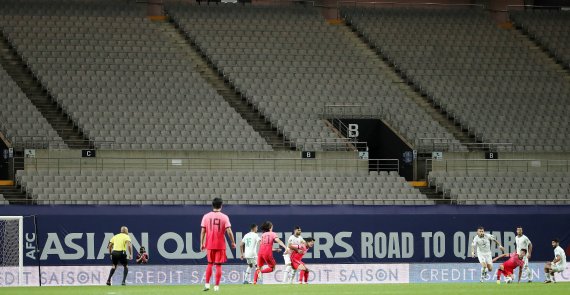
x,y
11,247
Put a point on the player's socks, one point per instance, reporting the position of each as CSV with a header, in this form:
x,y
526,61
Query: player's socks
x,y
287,274
306,277
301,276
499,272
218,274
247,274
292,276
125,273
528,273
256,276
111,273
209,273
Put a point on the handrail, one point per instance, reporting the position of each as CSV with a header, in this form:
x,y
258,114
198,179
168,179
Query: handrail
x,y
249,201
497,165
443,144
41,142
351,111
409,4
533,6
182,163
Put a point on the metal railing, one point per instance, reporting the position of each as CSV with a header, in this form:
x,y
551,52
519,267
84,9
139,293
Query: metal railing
x,y
384,165
514,7
506,165
249,200
173,163
351,111
433,144
45,142
374,3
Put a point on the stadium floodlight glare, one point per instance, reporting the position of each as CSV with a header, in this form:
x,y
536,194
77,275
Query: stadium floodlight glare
x,y
12,246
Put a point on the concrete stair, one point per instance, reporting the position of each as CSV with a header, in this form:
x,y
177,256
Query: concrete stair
x,y
56,117
15,195
211,74
432,194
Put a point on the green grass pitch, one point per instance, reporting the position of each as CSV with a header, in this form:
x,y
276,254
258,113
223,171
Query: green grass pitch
x,y
397,289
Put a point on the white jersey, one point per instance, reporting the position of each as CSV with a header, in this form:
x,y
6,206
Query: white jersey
x,y
293,240
558,251
522,243
251,241
483,245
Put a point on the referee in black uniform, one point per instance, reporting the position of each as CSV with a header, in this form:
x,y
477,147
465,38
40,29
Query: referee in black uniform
x,y
118,246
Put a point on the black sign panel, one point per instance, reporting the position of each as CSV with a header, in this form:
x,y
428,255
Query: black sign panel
x,y
88,153
308,154
491,155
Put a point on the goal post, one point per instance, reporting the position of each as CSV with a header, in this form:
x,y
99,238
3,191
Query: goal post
x,y
12,246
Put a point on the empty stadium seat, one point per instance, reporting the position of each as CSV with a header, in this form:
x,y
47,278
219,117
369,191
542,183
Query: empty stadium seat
x,y
121,78
549,27
290,64
200,186
484,77
514,188
21,122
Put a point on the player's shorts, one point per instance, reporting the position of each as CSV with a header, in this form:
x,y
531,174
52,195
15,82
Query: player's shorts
x,y
266,260
557,268
119,257
252,261
217,256
508,269
287,258
485,258
296,263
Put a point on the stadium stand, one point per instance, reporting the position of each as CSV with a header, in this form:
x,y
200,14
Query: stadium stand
x,y
120,79
489,81
291,64
550,28
133,187
20,121
2,200
514,188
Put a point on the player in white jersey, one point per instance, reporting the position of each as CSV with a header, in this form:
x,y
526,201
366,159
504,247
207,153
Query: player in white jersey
x,y
249,246
292,245
482,242
557,265
523,242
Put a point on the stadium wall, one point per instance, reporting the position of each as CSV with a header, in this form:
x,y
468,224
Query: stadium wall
x,y
355,244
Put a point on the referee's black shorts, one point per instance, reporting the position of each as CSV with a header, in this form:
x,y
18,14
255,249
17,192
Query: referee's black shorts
x,y
119,257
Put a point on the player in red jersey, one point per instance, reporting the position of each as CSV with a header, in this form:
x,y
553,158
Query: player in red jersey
x,y
297,259
508,267
212,238
265,255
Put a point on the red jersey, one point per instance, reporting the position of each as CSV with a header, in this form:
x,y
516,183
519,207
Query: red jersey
x,y
266,245
514,261
296,256
216,224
